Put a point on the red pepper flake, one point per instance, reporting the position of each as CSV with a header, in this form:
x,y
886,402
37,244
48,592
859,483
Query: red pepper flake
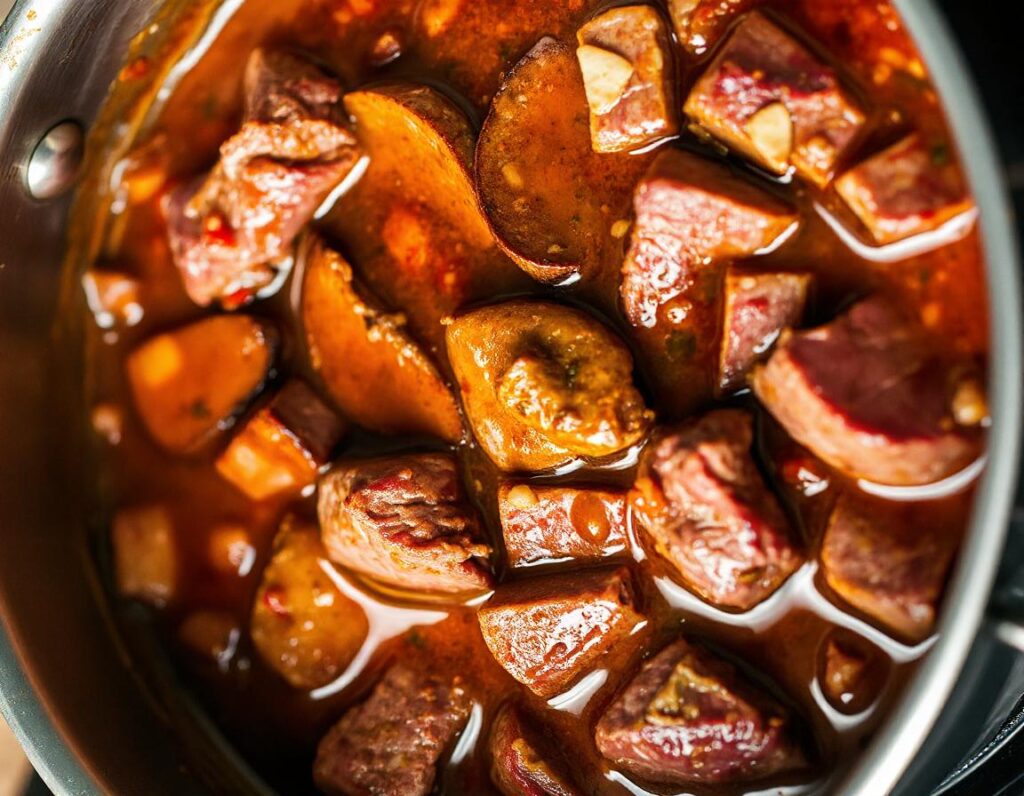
x,y
217,230
135,69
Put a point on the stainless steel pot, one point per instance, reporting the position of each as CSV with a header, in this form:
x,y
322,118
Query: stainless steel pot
x,y
86,718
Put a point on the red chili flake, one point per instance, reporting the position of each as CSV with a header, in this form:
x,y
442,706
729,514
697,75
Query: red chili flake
x,y
217,230
235,299
135,69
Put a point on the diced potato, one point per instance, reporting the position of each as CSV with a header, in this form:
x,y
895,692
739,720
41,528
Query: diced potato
x,y
279,450
145,558
626,59
302,625
112,297
189,383
375,372
771,133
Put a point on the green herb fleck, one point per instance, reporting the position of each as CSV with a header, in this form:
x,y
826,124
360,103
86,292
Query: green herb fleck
x,y
199,410
940,154
415,639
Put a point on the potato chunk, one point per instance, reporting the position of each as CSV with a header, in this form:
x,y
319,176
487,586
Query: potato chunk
x,y
771,99
145,558
544,384
302,625
189,383
905,190
281,448
626,60
375,372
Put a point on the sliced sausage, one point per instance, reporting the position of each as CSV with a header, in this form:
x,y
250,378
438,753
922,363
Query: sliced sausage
x,y
689,717
405,521
771,99
391,743
302,625
868,394
625,56
758,306
292,150
544,384
703,504
518,767
905,190
550,523
548,631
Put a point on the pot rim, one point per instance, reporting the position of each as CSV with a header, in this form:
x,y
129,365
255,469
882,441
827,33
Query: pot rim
x,y
909,723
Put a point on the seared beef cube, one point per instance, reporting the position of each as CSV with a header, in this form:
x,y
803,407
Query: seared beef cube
x,y
145,558
547,631
189,384
626,59
868,394
550,523
406,522
851,671
689,717
293,149
391,743
302,625
905,190
700,23
771,99
883,560
692,213
113,298
758,306
281,448
517,765
703,504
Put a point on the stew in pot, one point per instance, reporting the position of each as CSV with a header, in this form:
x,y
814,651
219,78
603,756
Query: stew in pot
x,y
537,397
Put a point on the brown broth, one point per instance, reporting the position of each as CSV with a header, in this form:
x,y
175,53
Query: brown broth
x,y
277,727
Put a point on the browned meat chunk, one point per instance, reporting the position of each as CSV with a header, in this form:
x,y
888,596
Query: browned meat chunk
x,y
549,523
700,23
405,521
302,625
544,384
145,557
852,672
758,306
517,767
702,502
293,149
905,190
881,559
391,743
547,631
868,394
281,448
189,384
688,717
771,99
626,60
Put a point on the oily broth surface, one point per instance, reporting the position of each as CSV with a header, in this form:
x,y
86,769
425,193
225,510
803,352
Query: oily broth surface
x,y
277,727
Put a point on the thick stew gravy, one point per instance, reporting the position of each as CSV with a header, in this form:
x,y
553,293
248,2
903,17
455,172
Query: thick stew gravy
x,y
541,397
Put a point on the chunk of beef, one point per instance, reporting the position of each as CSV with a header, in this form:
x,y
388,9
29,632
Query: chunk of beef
x,y
626,59
281,448
302,625
692,213
545,523
851,671
547,631
703,504
294,147
700,23
517,765
758,306
391,743
905,190
770,98
544,384
689,717
405,521
868,394
190,383
145,557
888,561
